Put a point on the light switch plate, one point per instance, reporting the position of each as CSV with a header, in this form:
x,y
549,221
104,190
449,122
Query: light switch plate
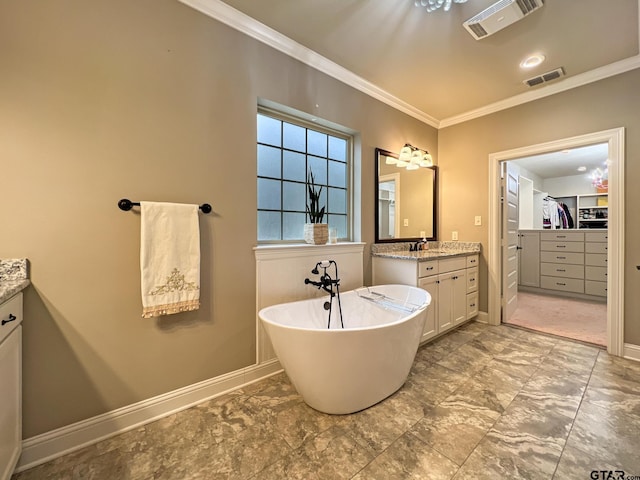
x,y
478,220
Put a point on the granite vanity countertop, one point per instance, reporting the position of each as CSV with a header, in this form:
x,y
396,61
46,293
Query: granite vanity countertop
x,y
13,277
436,250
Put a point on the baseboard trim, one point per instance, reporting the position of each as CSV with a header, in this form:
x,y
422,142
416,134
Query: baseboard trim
x,y
483,317
632,352
47,446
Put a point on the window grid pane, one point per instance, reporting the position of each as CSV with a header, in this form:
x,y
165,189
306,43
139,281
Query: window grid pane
x,y
286,153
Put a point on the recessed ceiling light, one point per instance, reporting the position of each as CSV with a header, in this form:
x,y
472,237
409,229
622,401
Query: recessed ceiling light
x,y
582,169
532,61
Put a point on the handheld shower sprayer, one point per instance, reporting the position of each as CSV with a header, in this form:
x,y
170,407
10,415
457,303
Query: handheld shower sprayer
x,y
327,284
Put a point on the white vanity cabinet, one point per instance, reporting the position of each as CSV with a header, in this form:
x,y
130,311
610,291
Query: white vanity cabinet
x,y
452,283
10,385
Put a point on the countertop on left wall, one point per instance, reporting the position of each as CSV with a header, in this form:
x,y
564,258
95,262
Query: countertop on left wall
x,y
14,277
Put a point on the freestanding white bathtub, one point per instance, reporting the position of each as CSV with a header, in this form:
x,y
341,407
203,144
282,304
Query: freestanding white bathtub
x,y
339,370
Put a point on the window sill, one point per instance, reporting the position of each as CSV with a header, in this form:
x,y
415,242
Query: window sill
x,y
303,249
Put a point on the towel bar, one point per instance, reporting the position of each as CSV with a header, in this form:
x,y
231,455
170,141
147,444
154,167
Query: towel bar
x,y
126,205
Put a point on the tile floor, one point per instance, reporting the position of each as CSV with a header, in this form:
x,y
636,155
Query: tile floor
x,y
480,402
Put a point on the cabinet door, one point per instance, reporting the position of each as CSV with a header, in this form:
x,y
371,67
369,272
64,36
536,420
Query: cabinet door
x,y
459,297
10,401
445,294
529,259
430,284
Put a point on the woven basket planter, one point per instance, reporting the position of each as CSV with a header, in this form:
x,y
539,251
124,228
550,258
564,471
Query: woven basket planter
x,y
316,233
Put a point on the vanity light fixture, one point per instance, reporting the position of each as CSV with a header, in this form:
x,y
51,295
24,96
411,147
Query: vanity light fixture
x,y
433,5
412,158
582,168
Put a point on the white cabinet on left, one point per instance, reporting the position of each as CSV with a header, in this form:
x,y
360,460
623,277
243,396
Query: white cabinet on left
x,y
10,384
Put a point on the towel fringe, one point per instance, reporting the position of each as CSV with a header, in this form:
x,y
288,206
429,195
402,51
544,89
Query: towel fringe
x,y
170,308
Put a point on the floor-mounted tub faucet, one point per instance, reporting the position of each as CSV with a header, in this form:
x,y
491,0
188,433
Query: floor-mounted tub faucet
x,y
327,284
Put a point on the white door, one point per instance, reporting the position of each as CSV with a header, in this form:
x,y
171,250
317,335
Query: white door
x,y
459,297
509,241
430,284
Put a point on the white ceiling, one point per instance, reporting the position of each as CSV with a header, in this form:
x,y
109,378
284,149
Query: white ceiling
x,y
566,162
430,63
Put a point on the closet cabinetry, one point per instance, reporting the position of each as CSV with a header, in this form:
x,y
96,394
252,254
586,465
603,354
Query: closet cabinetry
x,y
573,262
452,283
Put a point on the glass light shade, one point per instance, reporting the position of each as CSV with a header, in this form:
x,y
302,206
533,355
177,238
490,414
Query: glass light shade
x,y
426,160
405,153
416,156
401,163
391,161
413,166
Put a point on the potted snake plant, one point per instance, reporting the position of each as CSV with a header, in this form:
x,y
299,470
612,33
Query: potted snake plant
x,y
315,232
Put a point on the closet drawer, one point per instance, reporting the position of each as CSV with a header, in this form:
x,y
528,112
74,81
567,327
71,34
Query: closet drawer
x,y
561,236
563,284
473,260
595,247
472,279
560,270
472,305
598,274
562,246
427,268
557,257
451,264
595,288
596,237
595,259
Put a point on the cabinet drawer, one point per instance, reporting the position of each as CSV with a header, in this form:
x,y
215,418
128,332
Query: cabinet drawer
x,y
595,288
596,237
451,264
560,270
8,310
562,246
595,247
472,279
561,236
559,257
427,268
473,260
472,305
599,274
595,259
563,284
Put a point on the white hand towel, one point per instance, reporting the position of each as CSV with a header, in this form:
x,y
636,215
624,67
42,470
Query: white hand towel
x,y
169,258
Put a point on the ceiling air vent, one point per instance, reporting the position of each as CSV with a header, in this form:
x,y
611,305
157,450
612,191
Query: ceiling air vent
x,y
500,15
545,77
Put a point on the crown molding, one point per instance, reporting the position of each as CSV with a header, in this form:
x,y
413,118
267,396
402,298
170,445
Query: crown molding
x,y
232,17
569,83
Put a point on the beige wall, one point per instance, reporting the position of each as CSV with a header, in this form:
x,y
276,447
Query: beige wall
x,y
148,100
464,166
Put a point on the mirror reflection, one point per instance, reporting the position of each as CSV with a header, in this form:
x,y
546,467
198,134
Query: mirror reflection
x,y
405,201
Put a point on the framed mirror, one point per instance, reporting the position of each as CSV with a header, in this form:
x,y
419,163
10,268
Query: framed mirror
x,y
405,201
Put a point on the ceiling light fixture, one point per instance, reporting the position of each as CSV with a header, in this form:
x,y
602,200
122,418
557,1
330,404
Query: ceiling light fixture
x,y
412,158
532,60
433,5
582,169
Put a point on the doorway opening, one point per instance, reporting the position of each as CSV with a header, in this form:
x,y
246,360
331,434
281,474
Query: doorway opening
x,y
501,267
557,281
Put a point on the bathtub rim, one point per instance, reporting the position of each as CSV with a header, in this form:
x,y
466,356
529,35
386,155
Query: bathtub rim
x,y
347,329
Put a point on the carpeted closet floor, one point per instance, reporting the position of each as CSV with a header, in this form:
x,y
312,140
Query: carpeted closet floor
x,y
566,317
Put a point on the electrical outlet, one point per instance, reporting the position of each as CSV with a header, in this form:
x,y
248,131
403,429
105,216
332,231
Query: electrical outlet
x,y
454,235
406,222
478,220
